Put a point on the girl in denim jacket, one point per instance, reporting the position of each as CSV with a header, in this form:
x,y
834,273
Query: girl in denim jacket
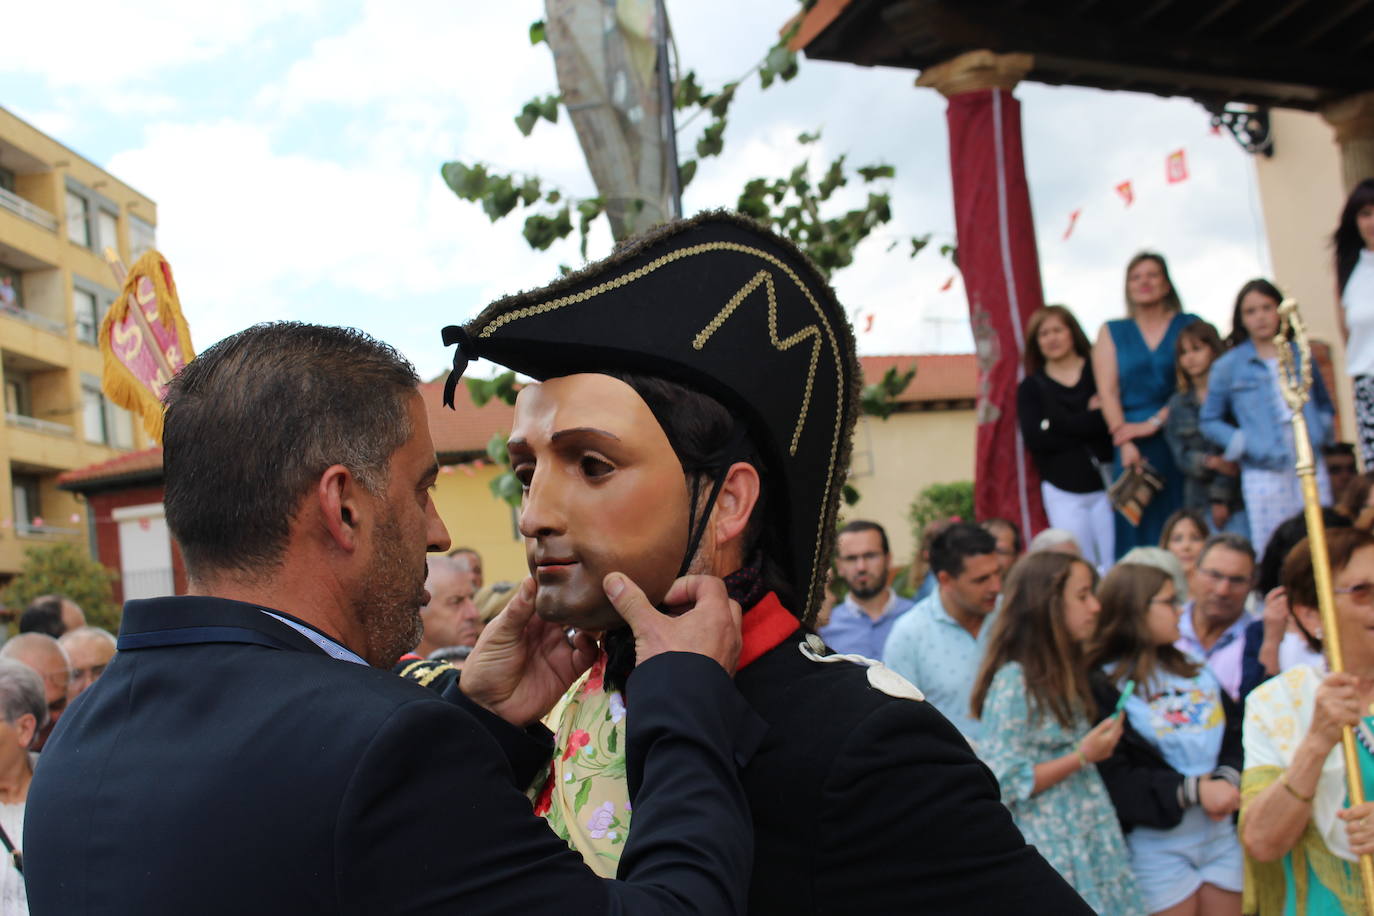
x,y
1245,414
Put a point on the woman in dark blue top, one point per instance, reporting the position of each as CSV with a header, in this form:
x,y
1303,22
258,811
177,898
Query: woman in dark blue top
x,y
1133,361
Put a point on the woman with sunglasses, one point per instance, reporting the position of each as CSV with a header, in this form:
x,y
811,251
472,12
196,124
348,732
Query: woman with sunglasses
x,y
1301,840
1174,776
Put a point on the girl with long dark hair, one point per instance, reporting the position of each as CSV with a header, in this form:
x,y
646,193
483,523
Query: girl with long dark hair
x,y
1247,417
1174,777
1353,241
1033,696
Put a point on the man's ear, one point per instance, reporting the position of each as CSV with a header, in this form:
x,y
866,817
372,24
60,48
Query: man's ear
x,y
735,502
25,727
337,497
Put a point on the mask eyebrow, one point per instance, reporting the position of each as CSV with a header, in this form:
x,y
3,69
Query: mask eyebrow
x,y
576,430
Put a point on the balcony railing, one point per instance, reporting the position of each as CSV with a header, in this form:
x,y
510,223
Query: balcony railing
x,y
33,318
28,529
21,207
37,425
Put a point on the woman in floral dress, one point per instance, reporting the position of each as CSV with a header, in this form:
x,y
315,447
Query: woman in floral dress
x,y
1033,697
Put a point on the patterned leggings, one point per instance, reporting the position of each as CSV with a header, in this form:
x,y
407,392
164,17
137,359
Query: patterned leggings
x,y
1364,418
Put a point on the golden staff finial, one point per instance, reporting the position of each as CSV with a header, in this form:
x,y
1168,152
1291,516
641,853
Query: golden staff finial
x,y
1295,380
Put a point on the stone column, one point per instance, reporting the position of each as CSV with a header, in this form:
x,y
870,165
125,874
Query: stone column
x,y
1000,265
1353,119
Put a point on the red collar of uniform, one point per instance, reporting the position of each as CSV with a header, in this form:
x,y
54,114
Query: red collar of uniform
x,y
765,626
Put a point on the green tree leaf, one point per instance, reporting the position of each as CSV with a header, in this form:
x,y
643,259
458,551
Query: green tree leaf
x,y
468,182
686,172
808,138
851,495
496,449
686,92
528,117
918,243
712,139
548,108
874,172
506,487
537,32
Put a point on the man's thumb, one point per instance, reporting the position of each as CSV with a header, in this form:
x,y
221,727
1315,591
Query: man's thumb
x,y
520,608
626,597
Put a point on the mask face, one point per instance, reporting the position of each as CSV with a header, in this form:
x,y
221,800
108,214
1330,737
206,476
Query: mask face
x,y
603,492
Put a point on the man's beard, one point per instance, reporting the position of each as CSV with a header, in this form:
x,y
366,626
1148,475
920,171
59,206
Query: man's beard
x,y
389,598
877,588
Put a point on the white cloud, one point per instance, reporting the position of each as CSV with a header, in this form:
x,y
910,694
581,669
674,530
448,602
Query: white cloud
x,y
93,44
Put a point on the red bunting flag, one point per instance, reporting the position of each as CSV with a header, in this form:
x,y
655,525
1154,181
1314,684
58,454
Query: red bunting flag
x,y
1126,192
947,284
868,324
1073,221
1176,167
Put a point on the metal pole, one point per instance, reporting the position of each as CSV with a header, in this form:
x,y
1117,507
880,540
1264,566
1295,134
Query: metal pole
x,y
1296,382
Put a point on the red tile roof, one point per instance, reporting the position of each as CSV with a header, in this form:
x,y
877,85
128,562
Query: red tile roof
x,y
465,431
146,463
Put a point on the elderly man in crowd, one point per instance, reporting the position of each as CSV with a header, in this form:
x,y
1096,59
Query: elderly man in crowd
x,y
860,624
472,560
49,661
53,615
450,617
24,711
89,649
248,752
939,643
1213,627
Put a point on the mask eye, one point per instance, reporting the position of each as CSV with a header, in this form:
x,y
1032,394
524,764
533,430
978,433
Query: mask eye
x,y
594,467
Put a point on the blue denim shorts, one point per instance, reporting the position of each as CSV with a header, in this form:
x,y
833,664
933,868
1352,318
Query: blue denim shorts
x,y
1170,865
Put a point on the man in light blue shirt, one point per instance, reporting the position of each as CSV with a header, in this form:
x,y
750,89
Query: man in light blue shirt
x,y
938,644
1214,627
860,624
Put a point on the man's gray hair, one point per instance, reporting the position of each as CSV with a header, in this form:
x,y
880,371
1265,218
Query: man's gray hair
x,y
1051,538
1161,559
87,632
21,691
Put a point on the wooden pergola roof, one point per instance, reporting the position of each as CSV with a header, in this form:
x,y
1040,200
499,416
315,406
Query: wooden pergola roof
x,y
1278,53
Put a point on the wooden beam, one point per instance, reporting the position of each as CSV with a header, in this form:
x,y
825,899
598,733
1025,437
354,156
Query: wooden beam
x,y
1216,12
1331,22
1267,23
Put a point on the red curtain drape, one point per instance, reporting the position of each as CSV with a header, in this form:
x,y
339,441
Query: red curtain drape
x,y
1001,270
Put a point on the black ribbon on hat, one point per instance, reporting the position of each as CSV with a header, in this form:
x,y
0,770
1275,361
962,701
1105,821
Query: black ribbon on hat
x,y
466,353
736,448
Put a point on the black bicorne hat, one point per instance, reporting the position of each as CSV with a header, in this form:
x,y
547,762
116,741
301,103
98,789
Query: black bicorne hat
x,y
723,305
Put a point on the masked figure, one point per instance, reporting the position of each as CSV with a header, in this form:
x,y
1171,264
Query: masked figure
x,y
695,399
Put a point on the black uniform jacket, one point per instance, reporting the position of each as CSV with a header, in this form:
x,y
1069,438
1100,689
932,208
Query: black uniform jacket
x,y
865,803
1143,787
224,764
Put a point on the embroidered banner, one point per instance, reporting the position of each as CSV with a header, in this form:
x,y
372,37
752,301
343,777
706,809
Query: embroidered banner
x,y
145,341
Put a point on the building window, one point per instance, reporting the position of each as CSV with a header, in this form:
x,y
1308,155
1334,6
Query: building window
x,y
17,395
120,425
78,220
104,422
86,307
11,289
6,180
93,413
27,511
107,225
142,237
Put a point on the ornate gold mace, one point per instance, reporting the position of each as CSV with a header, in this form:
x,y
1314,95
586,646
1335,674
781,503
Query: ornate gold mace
x,y
1296,383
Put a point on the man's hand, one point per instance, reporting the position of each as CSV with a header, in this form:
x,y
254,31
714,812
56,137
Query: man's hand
x,y
1221,514
702,618
522,664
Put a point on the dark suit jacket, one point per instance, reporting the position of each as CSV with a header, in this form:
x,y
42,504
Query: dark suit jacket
x,y
866,803
225,764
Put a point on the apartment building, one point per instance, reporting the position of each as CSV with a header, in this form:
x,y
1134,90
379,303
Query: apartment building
x,y
58,212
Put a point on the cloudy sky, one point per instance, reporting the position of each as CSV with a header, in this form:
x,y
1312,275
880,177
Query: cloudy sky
x,y
293,148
